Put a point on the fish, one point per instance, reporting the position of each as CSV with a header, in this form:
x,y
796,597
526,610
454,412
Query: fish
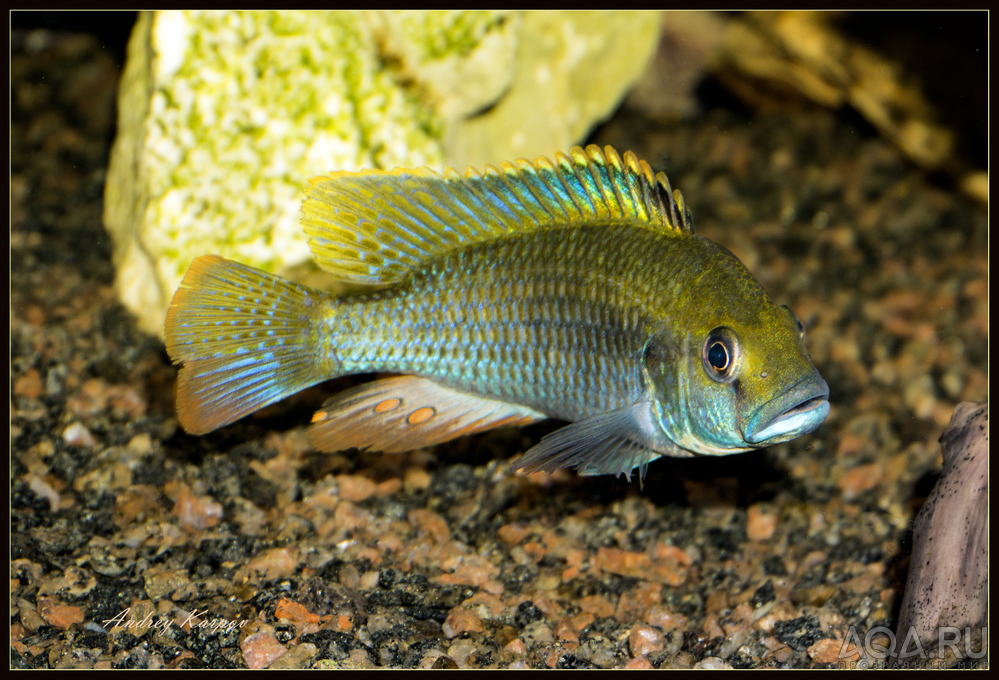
x,y
573,289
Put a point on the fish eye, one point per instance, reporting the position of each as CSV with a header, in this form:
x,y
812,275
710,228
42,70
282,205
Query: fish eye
x,y
721,355
718,356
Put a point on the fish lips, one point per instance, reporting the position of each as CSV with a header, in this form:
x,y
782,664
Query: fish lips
x,y
797,411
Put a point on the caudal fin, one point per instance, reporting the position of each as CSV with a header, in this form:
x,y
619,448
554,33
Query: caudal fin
x,y
247,339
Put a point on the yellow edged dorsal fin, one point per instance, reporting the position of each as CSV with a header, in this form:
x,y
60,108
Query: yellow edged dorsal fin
x,y
375,226
408,412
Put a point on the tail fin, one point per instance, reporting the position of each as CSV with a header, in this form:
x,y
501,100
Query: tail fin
x,y
247,339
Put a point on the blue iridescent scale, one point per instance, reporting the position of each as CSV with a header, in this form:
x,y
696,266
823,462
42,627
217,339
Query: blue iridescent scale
x,y
556,320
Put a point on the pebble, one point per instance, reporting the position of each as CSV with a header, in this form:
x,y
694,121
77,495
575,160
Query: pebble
x,y
761,522
826,650
298,657
568,628
43,489
29,613
74,582
443,661
664,618
77,434
432,524
196,512
639,663
125,400
140,444
634,602
59,615
639,565
160,583
91,399
597,605
861,478
261,649
349,517
354,488
460,651
461,620
28,385
644,640
739,620
275,563
486,605
389,487
537,633
294,612
416,480
512,534
138,502
516,647
429,659
359,658
470,570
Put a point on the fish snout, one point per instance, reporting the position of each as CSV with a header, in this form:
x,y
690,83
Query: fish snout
x,y
797,411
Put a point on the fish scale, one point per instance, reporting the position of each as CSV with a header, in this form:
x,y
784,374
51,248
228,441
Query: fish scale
x,y
593,330
574,289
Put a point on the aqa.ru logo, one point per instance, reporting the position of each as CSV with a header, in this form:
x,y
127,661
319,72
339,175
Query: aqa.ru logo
x,y
912,653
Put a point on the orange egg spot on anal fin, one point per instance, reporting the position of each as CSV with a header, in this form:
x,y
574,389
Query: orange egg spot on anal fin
x,y
420,415
319,416
388,405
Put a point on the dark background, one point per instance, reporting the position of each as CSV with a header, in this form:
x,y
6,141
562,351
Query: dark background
x,y
947,52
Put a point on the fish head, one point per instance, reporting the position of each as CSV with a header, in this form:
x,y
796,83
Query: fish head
x,y
743,378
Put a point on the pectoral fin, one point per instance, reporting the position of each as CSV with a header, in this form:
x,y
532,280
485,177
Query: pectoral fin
x,y
407,412
610,443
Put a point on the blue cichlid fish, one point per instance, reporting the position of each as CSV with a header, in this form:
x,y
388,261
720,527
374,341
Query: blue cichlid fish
x,y
573,290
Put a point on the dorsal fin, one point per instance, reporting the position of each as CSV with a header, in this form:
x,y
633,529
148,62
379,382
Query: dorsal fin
x,y
376,226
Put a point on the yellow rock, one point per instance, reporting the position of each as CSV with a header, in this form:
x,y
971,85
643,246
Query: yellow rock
x,y
224,116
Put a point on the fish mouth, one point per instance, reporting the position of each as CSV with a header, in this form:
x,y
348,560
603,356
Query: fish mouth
x,y
809,401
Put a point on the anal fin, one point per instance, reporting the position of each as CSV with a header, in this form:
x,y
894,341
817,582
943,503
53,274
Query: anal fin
x,y
408,412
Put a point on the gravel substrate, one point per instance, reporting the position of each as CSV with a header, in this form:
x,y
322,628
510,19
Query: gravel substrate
x,y
245,548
